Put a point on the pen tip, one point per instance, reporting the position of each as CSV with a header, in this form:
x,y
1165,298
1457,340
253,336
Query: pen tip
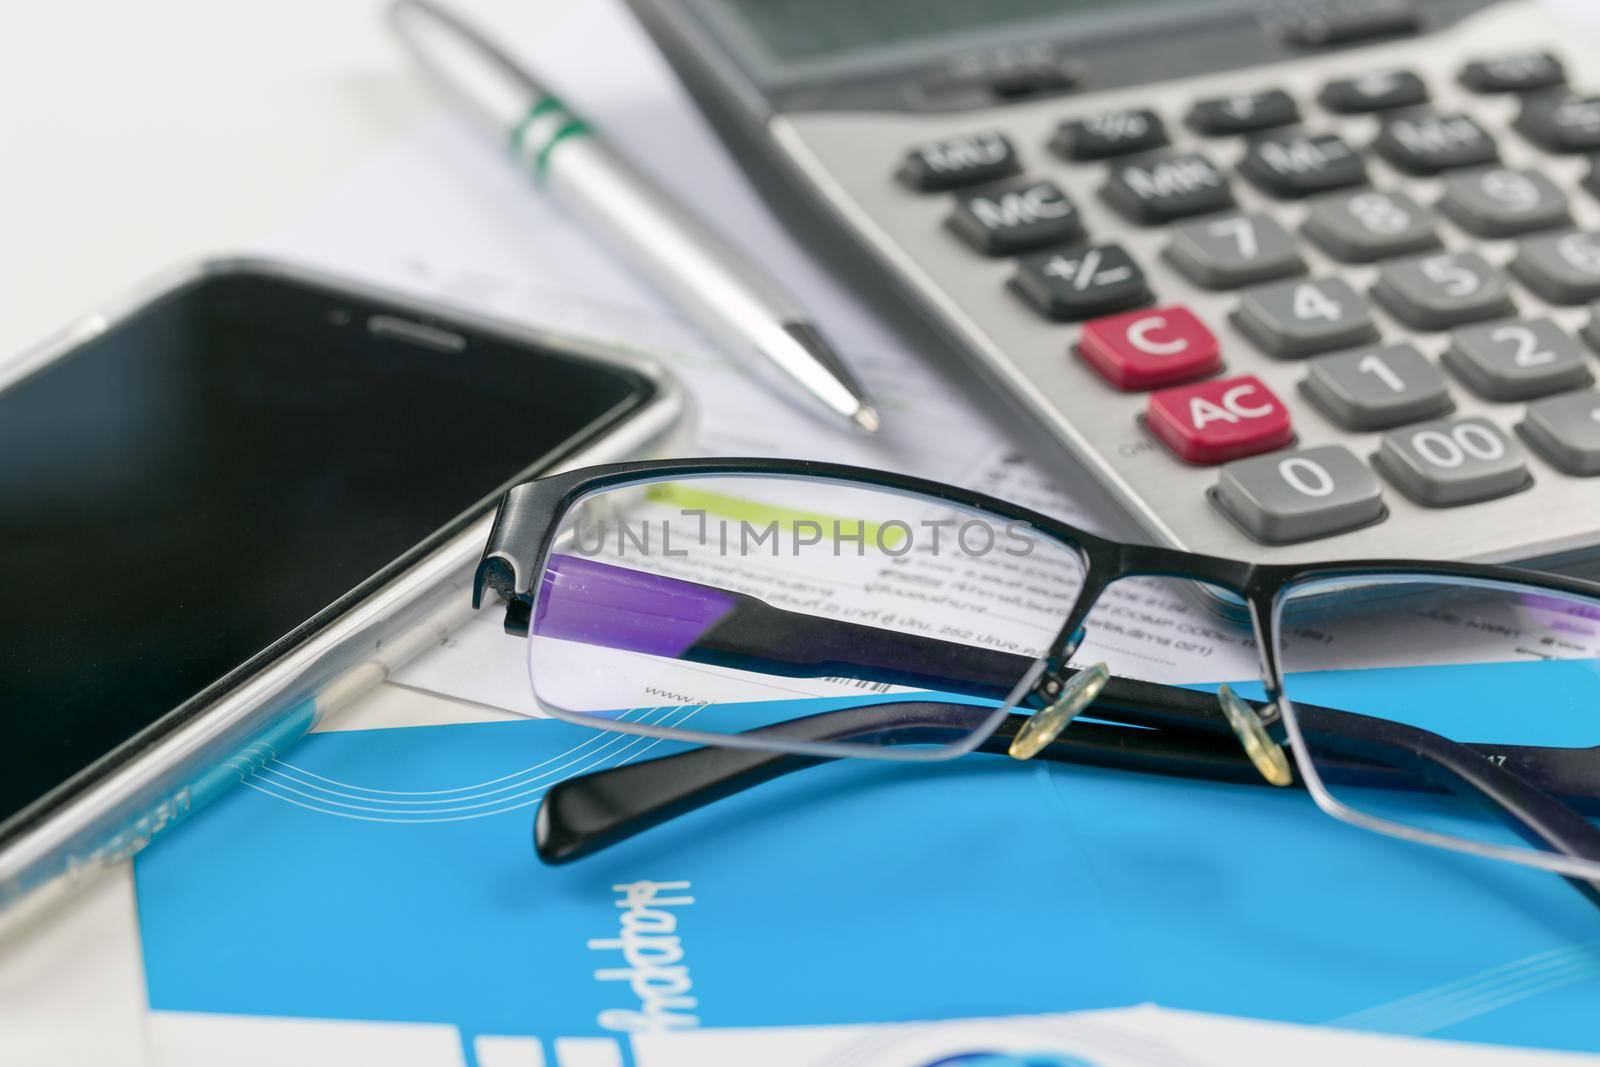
x,y
866,419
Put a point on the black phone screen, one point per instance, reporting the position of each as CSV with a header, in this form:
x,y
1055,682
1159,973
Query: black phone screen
x,y
193,485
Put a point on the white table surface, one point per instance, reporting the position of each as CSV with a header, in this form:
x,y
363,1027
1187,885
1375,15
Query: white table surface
x,y
137,135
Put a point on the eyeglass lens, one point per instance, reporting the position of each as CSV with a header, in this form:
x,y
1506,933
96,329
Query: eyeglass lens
x,y
727,604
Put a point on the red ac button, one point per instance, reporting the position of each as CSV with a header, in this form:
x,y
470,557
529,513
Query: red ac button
x,y
1150,348
1219,420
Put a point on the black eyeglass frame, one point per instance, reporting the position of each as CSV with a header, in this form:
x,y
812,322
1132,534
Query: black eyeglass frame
x,y
530,515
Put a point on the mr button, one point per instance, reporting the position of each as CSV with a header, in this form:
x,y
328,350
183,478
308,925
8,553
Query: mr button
x,y
1215,421
1147,349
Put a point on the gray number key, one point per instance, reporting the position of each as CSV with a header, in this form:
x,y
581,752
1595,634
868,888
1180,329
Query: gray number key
x,y
1517,360
1227,253
1445,290
1305,317
1563,268
1377,388
1452,461
1361,227
1501,202
1566,431
1294,496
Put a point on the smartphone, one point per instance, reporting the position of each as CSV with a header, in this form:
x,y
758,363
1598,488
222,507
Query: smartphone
x,y
234,501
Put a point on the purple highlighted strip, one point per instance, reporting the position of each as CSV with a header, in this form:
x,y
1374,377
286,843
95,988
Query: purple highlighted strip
x,y
617,607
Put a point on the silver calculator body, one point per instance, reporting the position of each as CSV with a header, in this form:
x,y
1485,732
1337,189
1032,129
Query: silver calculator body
x,y
1358,328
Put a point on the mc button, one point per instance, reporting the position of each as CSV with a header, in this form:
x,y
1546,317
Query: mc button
x,y
1149,349
1215,421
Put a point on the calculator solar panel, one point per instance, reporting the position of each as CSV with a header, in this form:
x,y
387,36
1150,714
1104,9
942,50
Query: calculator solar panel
x,y
1339,304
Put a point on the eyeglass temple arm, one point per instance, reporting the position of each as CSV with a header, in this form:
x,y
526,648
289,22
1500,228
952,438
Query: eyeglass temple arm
x,y
582,815
1538,817
757,636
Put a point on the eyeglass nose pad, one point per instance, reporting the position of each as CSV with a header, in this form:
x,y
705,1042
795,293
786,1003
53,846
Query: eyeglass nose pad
x,y
1042,726
1266,754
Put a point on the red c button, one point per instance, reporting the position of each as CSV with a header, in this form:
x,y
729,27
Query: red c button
x,y
1150,348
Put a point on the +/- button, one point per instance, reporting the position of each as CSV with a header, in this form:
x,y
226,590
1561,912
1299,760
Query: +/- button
x,y
1148,349
1219,420
1081,283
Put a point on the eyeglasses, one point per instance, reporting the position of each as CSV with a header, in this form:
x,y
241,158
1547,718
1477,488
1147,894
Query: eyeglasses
x,y
789,613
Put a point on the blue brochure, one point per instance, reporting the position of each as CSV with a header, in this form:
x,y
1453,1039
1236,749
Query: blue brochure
x,y
389,875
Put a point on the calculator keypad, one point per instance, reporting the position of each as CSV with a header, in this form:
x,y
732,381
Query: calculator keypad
x,y
1561,268
1149,349
1517,360
1222,116
1561,123
1363,275
1376,91
1110,133
1016,217
1452,461
1293,496
1082,283
1378,387
1220,419
1566,431
1303,318
1503,202
1517,73
1161,190
1226,253
1370,225
957,161
1290,166
1440,291
1429,144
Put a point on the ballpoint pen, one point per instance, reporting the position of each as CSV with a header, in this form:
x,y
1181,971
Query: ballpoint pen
x,y
722,292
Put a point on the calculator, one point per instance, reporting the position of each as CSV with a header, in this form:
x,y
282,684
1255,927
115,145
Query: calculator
x,y
1296,280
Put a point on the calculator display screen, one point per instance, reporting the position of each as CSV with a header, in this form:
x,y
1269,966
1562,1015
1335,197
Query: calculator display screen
x,y
800,30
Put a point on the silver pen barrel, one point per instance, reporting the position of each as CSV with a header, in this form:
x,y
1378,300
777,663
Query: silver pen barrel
x,y
730,298
719,290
